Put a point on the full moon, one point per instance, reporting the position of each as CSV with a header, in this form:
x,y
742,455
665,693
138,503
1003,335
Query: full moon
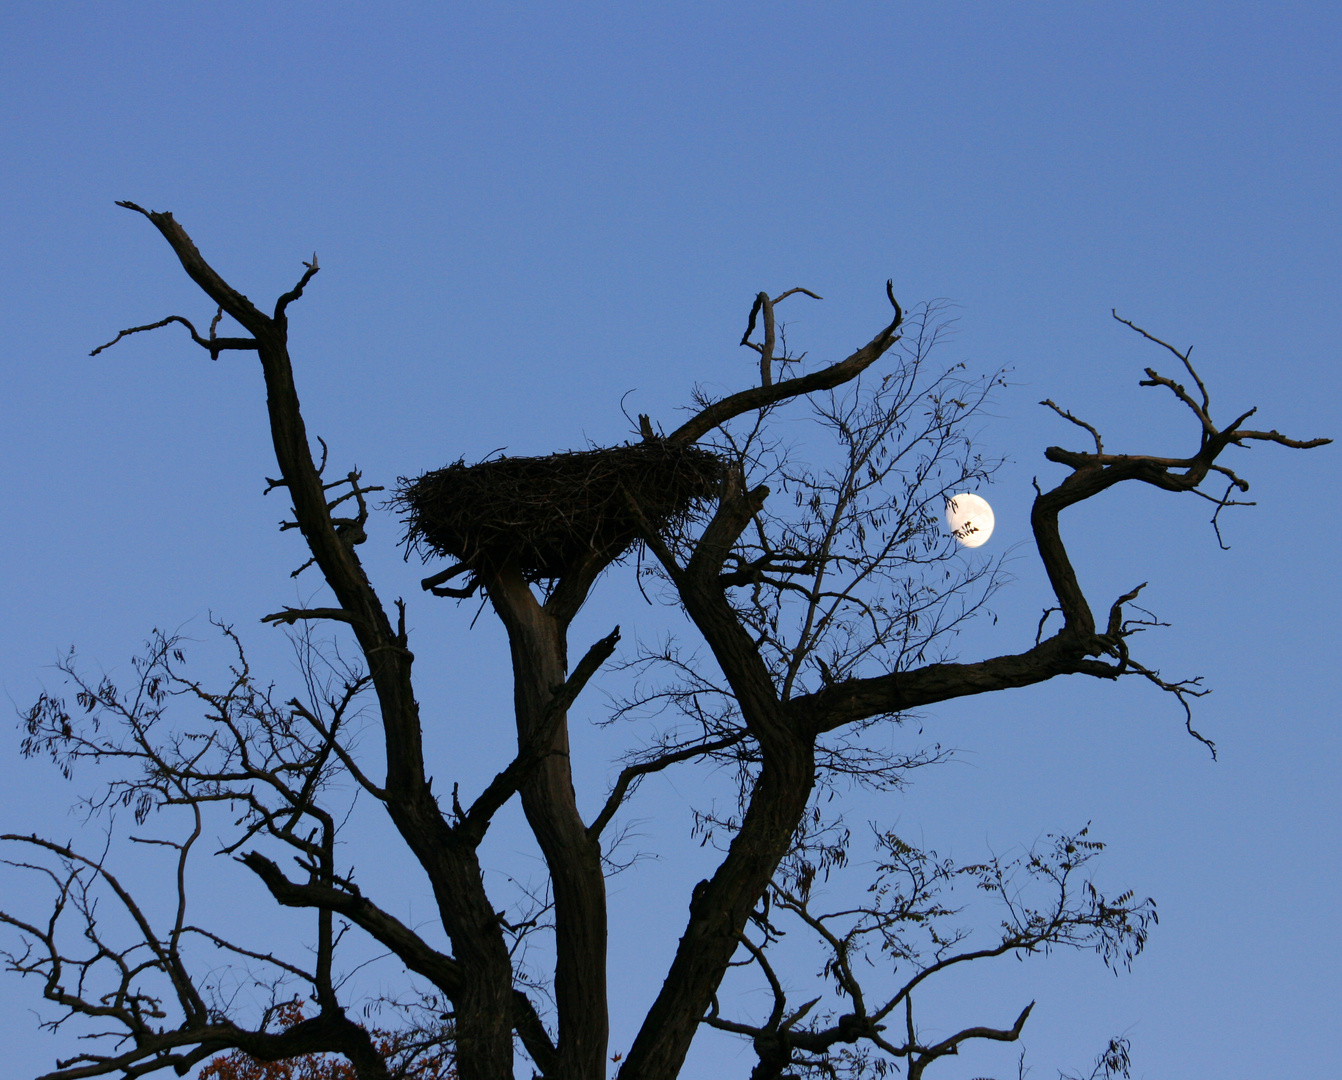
x,y
970,519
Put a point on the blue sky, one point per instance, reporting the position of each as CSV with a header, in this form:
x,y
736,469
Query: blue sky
x,y
525,211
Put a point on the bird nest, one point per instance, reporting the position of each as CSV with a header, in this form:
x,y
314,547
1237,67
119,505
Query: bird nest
x,y
547,514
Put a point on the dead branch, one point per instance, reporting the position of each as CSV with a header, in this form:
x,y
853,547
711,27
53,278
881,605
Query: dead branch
x,y
719,412
213,345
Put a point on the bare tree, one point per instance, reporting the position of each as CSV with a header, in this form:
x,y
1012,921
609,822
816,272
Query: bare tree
x,y
826,596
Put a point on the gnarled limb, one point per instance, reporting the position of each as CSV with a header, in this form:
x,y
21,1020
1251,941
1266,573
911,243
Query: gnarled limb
x,y
483,1011
720,412
213,345
1072,649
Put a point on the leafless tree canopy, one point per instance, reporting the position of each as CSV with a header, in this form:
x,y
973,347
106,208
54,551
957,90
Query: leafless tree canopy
x,y
815,574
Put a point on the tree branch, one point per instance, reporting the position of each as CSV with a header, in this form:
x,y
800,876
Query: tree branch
x,y
506,783
293,294
289,615
485,1037
632,773
441,970
213,345
835,375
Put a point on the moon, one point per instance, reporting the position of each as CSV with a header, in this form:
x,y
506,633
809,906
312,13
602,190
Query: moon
x,y
970,519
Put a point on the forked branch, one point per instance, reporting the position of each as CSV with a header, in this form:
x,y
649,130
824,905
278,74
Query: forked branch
x,y
213,345
1072,648
766,348
719,412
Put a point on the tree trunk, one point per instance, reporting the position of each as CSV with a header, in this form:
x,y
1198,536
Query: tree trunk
x,y
538,641
719,911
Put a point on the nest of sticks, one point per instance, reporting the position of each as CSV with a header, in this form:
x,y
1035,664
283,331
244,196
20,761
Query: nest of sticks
x,y
547,514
